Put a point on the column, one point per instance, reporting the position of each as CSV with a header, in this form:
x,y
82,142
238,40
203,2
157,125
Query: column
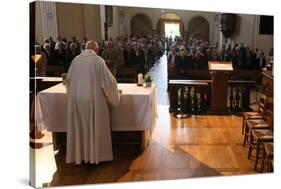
x,y
48,19
102,20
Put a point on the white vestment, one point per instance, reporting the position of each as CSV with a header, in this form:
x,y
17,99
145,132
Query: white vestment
x,y
90,89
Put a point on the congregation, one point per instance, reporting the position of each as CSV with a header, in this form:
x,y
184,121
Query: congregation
x,y
141,52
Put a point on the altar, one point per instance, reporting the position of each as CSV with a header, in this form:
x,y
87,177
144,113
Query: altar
x,y
137,110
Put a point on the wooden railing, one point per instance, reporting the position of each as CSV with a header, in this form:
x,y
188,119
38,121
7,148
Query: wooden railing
x,y
194,96
239,95
195,74
189,96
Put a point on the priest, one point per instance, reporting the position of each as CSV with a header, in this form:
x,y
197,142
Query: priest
x,y
91,90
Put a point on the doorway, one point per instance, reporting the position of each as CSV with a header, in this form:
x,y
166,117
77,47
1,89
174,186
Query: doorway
x,y
172,30
171,21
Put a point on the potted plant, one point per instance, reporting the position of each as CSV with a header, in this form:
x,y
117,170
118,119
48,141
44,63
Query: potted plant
x,y
147,80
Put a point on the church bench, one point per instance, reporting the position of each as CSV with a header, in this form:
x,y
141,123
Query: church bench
x,y
126,74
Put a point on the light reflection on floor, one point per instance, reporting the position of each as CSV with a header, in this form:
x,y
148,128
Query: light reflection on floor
x,y
45,164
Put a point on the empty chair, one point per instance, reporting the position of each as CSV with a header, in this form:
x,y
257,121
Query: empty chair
x,y
265,123
259,135
267,165
255,115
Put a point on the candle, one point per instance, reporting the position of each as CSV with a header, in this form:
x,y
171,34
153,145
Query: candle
x,y
140,79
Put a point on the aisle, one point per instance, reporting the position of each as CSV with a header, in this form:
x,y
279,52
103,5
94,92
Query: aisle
x,y
159,75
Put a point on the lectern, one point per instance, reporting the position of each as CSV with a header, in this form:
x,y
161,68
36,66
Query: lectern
x,y
219,72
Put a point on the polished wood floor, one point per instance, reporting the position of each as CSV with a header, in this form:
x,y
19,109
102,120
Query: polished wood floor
x,y
178,149
198,146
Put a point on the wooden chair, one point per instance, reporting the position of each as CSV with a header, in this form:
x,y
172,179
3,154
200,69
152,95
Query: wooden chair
x,y
259,123
255,115
267,164
259,135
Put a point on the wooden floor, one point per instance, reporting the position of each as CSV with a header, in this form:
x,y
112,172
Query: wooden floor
x,y
178,149
160,76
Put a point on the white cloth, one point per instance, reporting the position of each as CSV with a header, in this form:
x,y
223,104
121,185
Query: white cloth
x,y
90,87
137,110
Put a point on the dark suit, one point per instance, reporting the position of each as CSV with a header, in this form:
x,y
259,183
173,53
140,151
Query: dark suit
x,y
70,56
60,58
140,61
182,65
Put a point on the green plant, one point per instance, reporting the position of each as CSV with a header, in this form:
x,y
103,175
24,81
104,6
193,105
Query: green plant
x,y
148,78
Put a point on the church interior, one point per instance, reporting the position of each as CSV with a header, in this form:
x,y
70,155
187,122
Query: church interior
x,y
196,92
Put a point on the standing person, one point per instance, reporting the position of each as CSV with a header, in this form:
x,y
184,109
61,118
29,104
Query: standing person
x,y
90,88
261,60
49,53
59,41
52,43
60,55
228,53
242,56
182,64
140,59
42,62
223,53
125,54
171,58
83,44
111,58
71,54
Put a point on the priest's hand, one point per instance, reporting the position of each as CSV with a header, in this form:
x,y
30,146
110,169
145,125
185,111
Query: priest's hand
x,y
120,91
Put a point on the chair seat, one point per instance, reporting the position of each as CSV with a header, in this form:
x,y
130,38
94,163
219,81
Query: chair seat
x,y
252,115
257,124
262,134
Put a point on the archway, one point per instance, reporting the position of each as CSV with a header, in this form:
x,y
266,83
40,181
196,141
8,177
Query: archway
x,y
141,25
169,20
198,27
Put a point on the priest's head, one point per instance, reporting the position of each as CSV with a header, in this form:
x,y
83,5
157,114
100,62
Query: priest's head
x,y
92,45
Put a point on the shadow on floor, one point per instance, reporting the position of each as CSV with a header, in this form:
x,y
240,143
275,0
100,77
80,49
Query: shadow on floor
x,y
124,157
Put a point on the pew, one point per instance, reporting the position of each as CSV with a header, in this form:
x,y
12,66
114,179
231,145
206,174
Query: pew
x,y
126,74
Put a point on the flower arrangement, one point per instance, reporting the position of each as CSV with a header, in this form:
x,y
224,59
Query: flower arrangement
x,y
147,80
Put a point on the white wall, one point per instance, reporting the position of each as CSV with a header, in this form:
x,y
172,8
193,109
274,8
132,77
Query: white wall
x,y
244,30
46,20
247,31
69,20
92,28
264,42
